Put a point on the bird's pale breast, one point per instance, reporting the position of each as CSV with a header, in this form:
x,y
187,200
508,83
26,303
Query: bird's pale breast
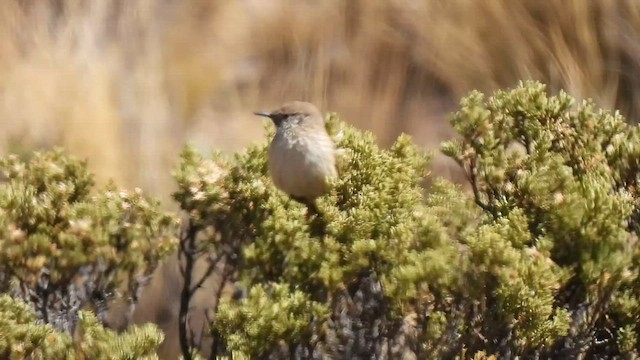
x,y
301,165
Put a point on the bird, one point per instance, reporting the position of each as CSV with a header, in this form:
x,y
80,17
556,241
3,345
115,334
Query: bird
x,y
301,155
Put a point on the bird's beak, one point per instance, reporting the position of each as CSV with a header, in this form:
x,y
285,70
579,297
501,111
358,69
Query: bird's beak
x,y
263,113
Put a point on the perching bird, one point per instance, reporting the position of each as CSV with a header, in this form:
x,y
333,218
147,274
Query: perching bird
x,y
301,154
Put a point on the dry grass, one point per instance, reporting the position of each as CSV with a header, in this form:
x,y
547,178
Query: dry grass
x,y
127,82
589,48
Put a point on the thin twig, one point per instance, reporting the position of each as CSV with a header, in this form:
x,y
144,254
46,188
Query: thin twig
x,y
213,263
186,252
473,179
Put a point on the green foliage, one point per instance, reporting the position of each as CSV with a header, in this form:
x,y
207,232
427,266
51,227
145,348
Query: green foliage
x,y
540,261
569,174
268,315
51,221
369,261
300,261
66,247
21,337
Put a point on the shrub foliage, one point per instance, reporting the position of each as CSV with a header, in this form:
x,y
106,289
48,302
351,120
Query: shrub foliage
x,y
67,247
23,338
539,259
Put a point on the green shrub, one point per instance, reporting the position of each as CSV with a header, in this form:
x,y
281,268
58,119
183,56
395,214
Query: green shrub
x,y
67,247
570,173
21,337
539,260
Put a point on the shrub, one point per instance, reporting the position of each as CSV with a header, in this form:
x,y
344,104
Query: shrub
x,y
23,338
66,247
569,173
540,260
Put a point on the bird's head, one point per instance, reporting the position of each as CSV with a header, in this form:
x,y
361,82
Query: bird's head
x,y
294,113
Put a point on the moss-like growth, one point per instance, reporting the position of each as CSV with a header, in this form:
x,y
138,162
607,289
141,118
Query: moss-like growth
x,y
539,260
570,173
365,240
67,247
22,338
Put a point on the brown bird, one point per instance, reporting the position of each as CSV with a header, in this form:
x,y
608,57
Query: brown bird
x,y
301,154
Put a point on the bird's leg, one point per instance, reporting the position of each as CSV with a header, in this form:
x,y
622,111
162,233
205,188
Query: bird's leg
x,y
311,204
299,199
316,221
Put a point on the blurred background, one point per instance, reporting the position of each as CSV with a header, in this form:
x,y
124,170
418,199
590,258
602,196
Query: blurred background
x,y
125,83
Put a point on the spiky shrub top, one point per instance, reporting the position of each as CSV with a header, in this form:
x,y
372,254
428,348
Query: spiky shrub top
x,y
569,173
65,246
23,338
317,284
540,260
